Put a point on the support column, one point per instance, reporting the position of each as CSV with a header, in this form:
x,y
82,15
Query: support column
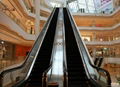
x,y
65,3
87,7
94,37
94,52
94,1
37,17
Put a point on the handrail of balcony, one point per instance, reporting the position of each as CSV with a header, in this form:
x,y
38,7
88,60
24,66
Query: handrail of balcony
x,y
103,42
32,9
10,14
100,28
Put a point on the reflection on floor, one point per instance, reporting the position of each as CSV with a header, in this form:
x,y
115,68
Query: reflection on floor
x,y
114,70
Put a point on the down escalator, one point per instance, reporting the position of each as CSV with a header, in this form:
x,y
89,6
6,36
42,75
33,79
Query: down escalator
x,y
76,71
81,70
29,74
44,55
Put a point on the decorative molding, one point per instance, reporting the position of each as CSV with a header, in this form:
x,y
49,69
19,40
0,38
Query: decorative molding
x,y
112,60
8,35
99,28
102,42
14,27
45,9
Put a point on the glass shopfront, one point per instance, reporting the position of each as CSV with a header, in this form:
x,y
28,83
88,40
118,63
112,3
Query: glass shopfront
x,y
12,53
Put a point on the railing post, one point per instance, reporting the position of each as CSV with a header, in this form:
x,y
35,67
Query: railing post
x,y
65,81
1,80
44,79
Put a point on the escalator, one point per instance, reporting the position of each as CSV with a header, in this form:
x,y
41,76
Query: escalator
x,y
44,55
81,72
76,72
38,60
58,56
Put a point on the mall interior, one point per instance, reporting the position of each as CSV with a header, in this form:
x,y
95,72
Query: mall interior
x,y
24,27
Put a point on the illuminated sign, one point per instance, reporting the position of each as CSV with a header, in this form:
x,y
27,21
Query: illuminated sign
x,y
104,2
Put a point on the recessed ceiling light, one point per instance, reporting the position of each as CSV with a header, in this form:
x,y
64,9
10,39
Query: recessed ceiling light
x,y
2,42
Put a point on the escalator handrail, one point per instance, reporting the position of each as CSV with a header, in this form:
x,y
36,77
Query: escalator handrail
x,y
97,68
64,59
41,37
64,54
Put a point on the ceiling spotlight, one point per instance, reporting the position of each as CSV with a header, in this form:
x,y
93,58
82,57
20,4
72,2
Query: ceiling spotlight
x,y
2,42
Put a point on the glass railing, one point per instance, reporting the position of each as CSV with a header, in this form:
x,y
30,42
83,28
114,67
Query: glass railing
x,y
4,63
11,15
12,76
97,75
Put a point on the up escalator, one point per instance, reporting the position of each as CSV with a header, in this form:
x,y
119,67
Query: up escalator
x,y
29,74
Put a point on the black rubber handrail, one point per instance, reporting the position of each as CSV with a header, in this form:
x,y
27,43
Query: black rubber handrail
x,y
64,59
97,68
40,37
98,61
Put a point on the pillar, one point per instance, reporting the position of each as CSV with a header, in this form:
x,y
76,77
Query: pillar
x,y
94,52
65,3
94,37
37,17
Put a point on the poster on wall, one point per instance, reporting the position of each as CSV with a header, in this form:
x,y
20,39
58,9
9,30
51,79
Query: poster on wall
x,y
104,2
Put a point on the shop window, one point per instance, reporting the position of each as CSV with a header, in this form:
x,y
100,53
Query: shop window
x,y
101,39
86,38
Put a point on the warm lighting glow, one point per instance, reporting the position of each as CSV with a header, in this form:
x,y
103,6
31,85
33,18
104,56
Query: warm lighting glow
x,y
55,4
86,38
2,42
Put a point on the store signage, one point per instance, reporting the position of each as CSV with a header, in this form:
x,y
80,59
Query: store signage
x,y
104,2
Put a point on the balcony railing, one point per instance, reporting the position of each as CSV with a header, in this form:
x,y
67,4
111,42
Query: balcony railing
x,y
4,63
102,42
9,12
29,8
32,9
